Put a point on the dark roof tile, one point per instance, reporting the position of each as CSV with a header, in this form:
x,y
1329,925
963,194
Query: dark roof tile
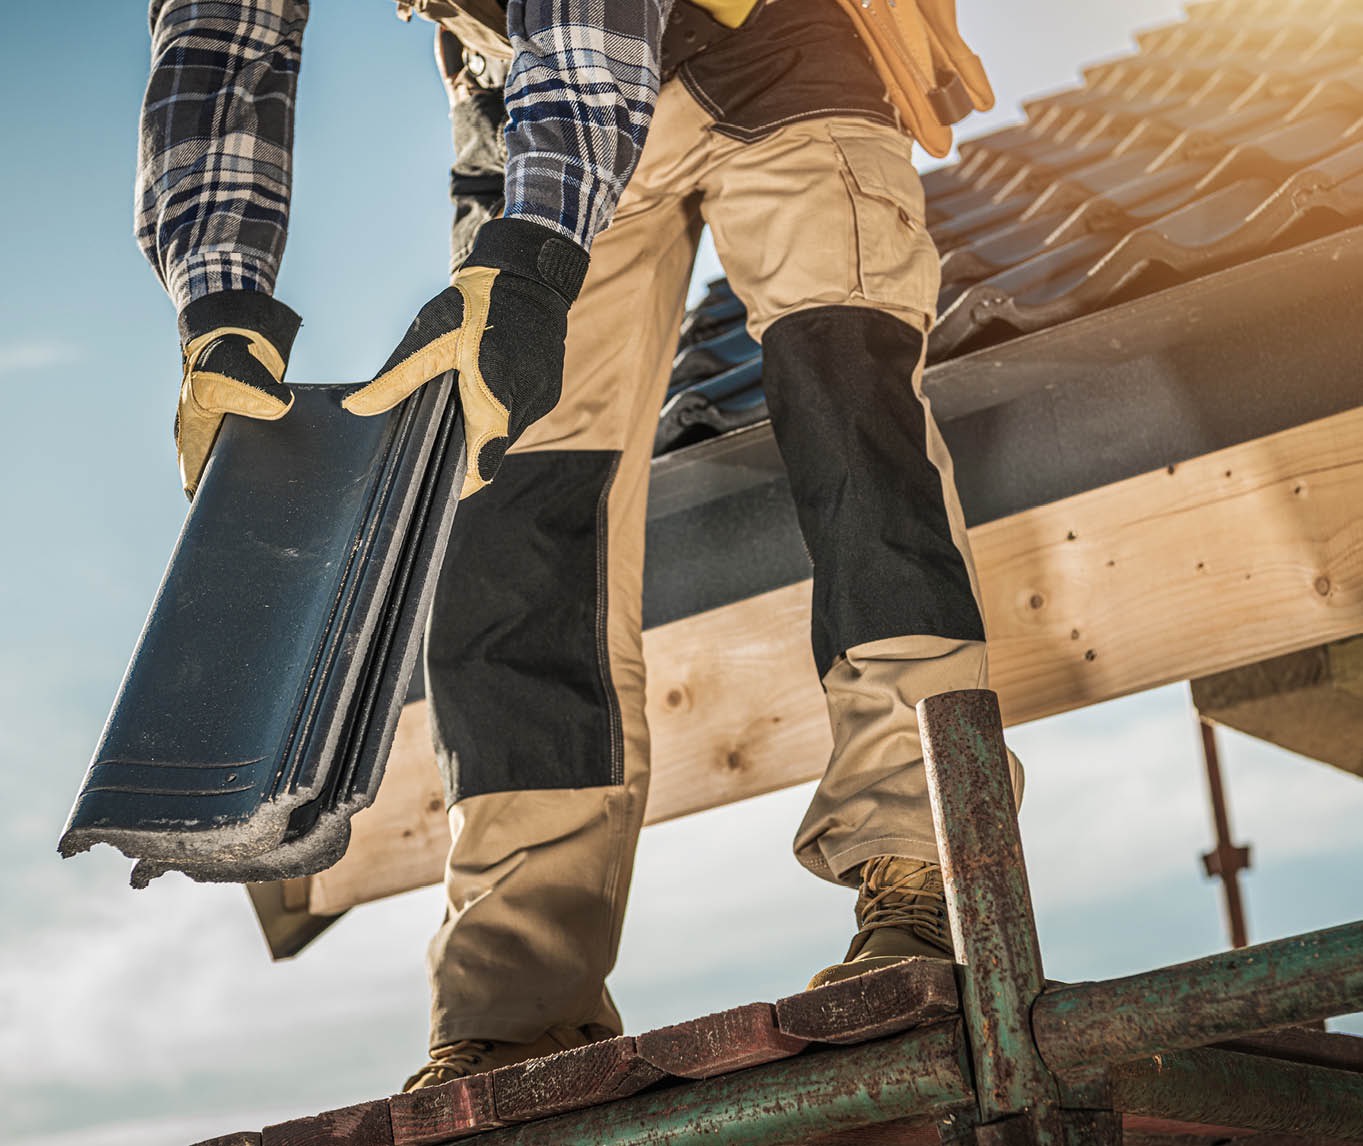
x,y
574,1079
720,1043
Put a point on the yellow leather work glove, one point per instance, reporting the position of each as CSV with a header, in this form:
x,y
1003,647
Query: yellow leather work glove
x,y
501,327
235,347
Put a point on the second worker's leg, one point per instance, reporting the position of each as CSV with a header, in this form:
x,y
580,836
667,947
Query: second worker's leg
x,y
895,617
841,308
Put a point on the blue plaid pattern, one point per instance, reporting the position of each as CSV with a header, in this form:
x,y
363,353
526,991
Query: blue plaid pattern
x,y
579,95
215,165
215,162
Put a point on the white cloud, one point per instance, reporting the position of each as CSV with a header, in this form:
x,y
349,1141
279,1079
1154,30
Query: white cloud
x,y
1117,800
173,1131
1288,805
125,1002
23,356
166,1000
1114,800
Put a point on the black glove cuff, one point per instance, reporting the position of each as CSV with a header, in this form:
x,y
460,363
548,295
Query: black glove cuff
x,y
248,309
532,251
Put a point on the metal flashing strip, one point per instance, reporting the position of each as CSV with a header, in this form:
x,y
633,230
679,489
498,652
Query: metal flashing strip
x,y
256,715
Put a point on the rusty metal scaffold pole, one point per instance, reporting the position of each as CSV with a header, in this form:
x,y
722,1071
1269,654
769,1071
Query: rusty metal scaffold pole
x,y
1227,860
994,931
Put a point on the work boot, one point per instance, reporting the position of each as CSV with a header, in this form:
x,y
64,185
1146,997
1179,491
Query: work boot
x,y
475,1056
902,913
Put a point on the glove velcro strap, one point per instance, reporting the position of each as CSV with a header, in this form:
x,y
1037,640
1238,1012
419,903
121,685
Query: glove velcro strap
x,y
257,345
257,316
531,251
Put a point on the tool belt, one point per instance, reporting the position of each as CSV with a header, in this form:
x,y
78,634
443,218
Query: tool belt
x,y
932,77
480,25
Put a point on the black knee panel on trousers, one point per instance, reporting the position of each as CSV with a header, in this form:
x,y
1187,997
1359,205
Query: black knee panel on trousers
x,y
517,673
853,434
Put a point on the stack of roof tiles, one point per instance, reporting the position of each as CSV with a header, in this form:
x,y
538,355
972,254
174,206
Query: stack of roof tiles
x,y
1230,135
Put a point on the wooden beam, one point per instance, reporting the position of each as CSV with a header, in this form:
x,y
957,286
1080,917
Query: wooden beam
x,y
1234,557
401,840
1310,702
285,913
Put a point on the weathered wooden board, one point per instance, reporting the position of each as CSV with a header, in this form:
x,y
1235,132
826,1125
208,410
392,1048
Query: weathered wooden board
x,y
437,1114
575,1079
285,916
1244,554
366,1124
245,1138
872,1006
719,1044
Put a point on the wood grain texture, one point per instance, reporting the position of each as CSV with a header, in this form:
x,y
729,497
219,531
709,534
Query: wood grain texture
x,y
441,1113
575,1079
873,1005
285,919
1139,1125
366,1124
1229,559
720,1043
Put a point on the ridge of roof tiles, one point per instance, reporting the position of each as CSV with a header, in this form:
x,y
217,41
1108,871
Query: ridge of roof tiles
x,y
1229,135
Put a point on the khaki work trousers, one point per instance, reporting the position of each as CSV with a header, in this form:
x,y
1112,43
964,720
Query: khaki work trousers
x,y
823,213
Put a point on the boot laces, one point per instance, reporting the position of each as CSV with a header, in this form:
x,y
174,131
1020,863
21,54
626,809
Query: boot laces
x,y
911,897
455,1060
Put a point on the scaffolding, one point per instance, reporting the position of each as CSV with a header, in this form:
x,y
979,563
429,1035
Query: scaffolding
x,y
1024,1062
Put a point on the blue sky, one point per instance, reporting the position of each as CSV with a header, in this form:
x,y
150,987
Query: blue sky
x,y
155,1017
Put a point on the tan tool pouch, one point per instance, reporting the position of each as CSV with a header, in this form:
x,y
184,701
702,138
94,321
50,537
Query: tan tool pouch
x,y
480,25
933,78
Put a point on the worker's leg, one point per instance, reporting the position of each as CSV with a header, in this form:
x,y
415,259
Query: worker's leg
x,y
533,658
820,227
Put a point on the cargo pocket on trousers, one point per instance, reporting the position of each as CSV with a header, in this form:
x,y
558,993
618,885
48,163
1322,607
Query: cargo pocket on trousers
x,y
897,264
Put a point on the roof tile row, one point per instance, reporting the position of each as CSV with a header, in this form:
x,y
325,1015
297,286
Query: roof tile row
x,y
1229,135
1226,136
875,1005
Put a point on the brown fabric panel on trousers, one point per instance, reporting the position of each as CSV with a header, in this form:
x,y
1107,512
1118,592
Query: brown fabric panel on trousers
x,y
537,880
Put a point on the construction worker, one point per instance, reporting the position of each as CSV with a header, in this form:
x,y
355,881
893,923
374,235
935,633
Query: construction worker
x,y
781,136
790,134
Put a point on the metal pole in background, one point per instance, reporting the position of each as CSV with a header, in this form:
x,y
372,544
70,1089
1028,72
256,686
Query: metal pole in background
x,y
1228,859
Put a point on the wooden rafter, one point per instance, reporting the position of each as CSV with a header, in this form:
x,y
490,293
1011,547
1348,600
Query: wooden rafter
x,y
1228,559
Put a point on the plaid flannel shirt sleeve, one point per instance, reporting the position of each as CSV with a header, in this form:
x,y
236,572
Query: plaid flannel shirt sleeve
x,y
580,95
215,158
